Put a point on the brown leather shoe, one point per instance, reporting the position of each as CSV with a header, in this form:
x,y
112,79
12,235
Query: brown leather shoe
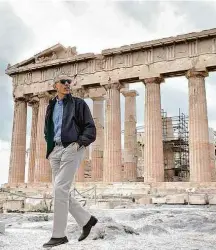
x,y
87,228
55,242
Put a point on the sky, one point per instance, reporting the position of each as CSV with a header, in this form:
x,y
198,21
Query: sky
x,y
28,27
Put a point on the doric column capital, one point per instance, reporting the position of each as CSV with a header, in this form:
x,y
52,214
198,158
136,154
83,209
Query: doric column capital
x,y
33,104
99,98
131,93
116,85
97,93
153,80
34,101
79,92
20,99
197,73
45,95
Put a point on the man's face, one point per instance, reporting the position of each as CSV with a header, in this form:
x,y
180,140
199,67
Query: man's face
x,y
63,86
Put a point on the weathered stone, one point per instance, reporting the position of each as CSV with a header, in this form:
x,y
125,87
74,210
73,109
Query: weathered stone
x,y
98,144
197,199
18,144
145,200
112,164
176,199
38,204
159,200
31,170
198,126
212,199
13,205
153,150
42,165
130,140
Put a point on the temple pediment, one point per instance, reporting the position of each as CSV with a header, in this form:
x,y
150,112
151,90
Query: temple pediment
x,y
56,52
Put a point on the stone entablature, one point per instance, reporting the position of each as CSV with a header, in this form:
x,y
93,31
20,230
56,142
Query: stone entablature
x,y
171,56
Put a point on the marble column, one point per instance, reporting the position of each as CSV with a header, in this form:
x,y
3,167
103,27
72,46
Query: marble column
x,y
80,174
32,156
169,155
18,144
130,136
42,166
212,154
98,144
112,167
198,128
153,150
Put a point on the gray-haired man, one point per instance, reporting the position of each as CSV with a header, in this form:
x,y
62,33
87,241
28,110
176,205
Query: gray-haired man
x,y
69,128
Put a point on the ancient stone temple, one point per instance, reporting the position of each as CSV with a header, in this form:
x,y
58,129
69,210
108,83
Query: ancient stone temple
x,y
103,77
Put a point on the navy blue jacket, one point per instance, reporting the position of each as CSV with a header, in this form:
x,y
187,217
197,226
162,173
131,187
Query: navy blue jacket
x,y
77,123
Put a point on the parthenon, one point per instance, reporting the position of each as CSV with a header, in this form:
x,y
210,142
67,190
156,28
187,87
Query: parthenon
x,y
103,77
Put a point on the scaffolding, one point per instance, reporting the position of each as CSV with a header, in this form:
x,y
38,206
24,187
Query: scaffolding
x,y
176,140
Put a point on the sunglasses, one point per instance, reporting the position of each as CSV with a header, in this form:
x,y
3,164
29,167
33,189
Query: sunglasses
x,y
63,81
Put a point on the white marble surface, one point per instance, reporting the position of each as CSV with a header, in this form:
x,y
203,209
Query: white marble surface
x,y
139,227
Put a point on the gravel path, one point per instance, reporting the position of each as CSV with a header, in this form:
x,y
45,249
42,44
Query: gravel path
x,y
143,227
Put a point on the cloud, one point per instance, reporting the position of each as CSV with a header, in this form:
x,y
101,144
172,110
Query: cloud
x,y
78,8
201,14
144,12
15,36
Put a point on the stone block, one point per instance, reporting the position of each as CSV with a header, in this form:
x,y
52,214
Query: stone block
x,y
159,200
2,227
38,205
176,199
197,199
13,205
212,199
104,204
145,200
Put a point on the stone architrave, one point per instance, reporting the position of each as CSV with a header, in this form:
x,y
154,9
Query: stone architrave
x,y
112,167
199,159
42,166
31,170
18,145
153,149
98,144
130,137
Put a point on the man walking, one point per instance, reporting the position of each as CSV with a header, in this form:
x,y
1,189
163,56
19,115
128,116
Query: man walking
x,y
69,128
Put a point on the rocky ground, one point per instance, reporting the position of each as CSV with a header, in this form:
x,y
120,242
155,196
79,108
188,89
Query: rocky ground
x,y
138,227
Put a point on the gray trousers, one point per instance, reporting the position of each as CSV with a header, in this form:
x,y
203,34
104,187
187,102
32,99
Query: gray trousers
x,y
64,163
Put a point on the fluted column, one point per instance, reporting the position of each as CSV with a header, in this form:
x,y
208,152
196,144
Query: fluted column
x,y
169,156
153,149
212,154
80,173
98,144
42,166
130,137
18,144
112,167
32,156
198,128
